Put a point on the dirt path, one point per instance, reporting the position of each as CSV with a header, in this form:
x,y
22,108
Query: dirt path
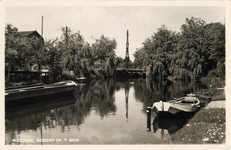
x,y
216,104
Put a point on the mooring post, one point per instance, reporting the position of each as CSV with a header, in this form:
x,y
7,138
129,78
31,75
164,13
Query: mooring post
x,y
149,119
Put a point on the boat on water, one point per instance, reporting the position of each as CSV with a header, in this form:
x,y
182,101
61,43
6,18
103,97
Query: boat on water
x,y
12,94
177,107
164,127
81,79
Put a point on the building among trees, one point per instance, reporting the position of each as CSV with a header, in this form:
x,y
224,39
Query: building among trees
x,y
29,34
23,50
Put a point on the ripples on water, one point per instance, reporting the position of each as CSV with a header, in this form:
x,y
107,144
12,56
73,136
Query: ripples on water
x,y
99,112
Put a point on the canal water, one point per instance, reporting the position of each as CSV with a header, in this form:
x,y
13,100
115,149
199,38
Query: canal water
x,y
98,112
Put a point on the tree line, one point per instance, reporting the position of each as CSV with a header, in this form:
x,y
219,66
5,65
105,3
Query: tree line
x,y
197,50
68,53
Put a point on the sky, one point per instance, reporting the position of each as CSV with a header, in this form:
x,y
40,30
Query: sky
x,y
111,21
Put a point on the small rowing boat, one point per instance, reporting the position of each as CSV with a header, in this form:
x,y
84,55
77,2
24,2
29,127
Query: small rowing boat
x,y
39,90
177,107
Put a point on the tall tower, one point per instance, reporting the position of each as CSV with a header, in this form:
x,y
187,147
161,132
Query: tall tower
x,y
127,53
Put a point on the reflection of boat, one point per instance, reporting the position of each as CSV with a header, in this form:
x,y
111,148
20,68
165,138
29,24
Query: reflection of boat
x,y
40,104
39,90
177,107
164,127
47,113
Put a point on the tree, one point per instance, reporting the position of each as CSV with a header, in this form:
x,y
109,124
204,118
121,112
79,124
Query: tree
x,y
206,43
119,62
110,67
20,52
193,36
71,45
104,48
157,51
140,57
189,54
37,51
103,51
11,52
216,34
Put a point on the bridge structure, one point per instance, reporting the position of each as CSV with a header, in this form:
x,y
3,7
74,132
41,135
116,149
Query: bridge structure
x,y
130,72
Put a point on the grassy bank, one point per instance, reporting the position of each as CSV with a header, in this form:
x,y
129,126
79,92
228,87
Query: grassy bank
x,y
206,127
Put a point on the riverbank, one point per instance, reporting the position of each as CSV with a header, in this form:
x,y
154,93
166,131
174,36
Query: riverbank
x,y
206,127
215,87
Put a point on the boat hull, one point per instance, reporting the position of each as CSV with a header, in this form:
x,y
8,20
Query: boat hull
x,y
178,114
20,93
181,107
37,92
38,99
175,109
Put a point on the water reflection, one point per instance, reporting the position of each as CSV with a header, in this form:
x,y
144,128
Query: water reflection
x,y
97,94
164,127
40,104
152,91
70,114
126,98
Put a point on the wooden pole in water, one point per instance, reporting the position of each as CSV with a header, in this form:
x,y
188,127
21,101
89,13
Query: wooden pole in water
x,y
149,119
41,132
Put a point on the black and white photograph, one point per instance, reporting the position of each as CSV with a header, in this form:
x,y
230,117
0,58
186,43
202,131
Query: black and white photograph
x,y
106,73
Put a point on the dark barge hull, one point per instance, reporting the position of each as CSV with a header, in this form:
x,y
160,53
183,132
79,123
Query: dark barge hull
x,y
43,98
15,94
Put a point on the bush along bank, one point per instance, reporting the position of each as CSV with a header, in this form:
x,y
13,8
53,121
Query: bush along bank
x,y
215,87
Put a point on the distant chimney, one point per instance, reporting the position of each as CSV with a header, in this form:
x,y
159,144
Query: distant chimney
x,y
42,27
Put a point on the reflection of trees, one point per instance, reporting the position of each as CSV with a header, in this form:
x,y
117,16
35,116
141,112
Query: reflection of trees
x,y
14,127
98,95
154,90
